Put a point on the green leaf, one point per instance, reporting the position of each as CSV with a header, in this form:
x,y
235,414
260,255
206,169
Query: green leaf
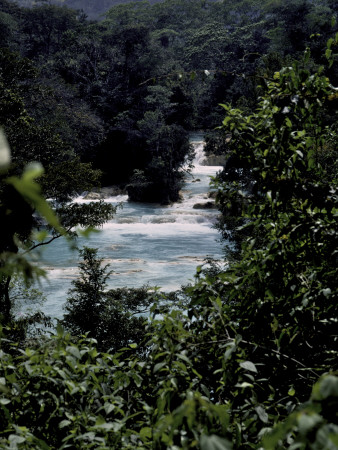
x,y
244,385
328,53
307,422
185,358
158,366
74,351
292,391
329,43
108,407
40,236
328,387
271,439
146,433
326,292
87,232
14,440
262,414
103,425
214,442
31,192
334,438
60,330
64,423
248,365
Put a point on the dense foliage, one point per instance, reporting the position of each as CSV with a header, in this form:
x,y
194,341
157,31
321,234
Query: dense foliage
x,y
248,359
124,92
114,318
234,364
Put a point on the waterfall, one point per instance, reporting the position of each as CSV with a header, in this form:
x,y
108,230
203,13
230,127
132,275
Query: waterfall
x,y
199,154
145,243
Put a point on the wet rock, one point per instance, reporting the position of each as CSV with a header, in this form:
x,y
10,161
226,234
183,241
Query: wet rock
x,y
214,160
105,192
207,205
111,191
152,192
93,196
212,194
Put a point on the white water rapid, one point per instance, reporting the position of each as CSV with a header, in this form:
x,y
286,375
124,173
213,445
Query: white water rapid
x,y
145,243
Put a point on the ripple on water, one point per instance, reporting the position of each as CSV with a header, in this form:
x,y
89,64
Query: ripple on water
x,y
144,243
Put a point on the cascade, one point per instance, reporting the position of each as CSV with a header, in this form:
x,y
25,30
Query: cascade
x,y
145,243
199,155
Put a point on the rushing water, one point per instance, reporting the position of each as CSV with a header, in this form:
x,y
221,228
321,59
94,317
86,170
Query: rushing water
x,y
145,243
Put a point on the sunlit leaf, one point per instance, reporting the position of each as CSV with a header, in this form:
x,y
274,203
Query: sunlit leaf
x,y
214,442
248,365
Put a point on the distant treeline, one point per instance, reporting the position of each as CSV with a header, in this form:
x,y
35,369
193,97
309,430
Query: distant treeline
x,y
122,93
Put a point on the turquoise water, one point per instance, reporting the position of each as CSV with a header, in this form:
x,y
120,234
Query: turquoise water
x,y
145,243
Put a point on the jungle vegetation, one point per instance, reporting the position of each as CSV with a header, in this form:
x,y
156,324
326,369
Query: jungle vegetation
x,y
247,356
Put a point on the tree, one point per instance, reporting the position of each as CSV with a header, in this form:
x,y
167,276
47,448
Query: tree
x,y
43,28
231,364
64,174
124,319
19,198
244,352
166,150
115,317
282,294
86,299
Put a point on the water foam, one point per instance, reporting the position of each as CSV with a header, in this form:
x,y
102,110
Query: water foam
x,y
144,243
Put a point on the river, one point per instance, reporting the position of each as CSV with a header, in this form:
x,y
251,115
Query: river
x,y
145,243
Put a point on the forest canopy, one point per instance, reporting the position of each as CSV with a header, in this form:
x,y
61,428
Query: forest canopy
x,y
246,357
